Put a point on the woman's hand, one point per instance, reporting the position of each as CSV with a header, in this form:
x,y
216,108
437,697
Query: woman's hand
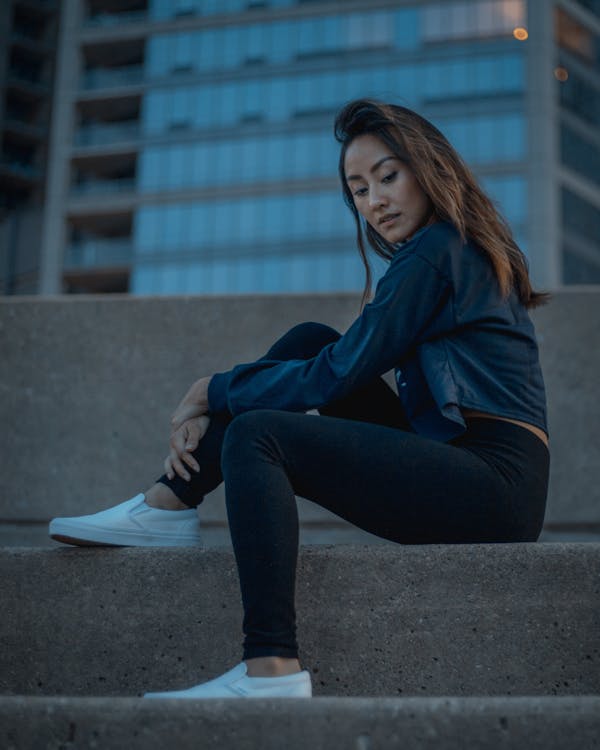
x,y
193,404
183,441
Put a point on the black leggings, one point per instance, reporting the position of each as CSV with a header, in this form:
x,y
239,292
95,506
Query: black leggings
x,y
360,459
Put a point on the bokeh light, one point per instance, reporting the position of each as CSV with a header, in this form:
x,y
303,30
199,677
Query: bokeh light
x,y
561,74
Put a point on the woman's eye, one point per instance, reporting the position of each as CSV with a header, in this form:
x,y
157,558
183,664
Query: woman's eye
x,y
389,177
360,192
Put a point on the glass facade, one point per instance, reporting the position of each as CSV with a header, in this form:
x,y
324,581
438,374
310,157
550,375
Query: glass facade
x,y
269,158
234,223
281,98
166,9
463,20
581,219
577,269
280,42
580,154
582,94
579,97
237,169
576,38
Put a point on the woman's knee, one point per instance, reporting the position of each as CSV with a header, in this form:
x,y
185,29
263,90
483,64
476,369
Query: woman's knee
x,y
244,430
305,340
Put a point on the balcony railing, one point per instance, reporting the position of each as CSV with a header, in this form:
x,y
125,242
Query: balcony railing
x,y
99,253
116,19
20,168
27,74
15,124
29,38
103,78
104,187
39,5
31,78
99,135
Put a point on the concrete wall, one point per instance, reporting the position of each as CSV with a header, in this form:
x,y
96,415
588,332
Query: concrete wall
x,y
420,620
87,386
537,723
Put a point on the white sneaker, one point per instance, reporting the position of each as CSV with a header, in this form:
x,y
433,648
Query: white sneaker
x,y
132,523
237,684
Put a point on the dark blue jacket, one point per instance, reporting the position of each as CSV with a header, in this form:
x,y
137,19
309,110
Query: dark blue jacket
x,y
439,320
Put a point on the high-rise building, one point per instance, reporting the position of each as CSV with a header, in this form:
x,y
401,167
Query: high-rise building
x,y
192,147
27,47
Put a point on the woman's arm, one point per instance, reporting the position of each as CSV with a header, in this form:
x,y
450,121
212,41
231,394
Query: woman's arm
x,y
408,306
193,404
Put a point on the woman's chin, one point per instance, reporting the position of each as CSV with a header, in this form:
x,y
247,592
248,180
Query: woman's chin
x,y
395,237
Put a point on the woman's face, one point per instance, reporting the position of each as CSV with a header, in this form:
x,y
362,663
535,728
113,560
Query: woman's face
x,y
385,190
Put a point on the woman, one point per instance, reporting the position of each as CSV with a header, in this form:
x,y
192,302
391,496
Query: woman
x,y
459,455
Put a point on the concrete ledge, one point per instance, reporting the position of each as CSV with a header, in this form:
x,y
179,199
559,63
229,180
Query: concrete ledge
x,y
217,535
87,385
538,723
507,619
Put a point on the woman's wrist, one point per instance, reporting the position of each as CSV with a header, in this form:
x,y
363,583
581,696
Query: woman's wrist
x,y
193,404
198,393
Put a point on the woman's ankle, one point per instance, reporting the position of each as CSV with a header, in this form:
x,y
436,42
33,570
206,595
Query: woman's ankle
x,y
272,666
161,496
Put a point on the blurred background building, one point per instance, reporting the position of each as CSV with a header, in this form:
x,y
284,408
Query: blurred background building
x,y
27,55
191,146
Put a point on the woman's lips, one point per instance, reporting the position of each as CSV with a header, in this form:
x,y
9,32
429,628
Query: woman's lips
x,y
387,220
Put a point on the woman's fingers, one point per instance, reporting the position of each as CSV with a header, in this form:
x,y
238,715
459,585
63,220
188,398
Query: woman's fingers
x,y
183,441
179,455
177,449
203,424
178,466
186,445
195,430
168,468
192,431
190,461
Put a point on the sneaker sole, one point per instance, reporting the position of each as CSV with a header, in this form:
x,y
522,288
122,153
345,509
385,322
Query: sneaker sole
x,y
82,542
303,691
62,532
228,696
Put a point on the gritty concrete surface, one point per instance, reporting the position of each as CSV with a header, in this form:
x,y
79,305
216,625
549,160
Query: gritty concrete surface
x,y
87,385
504,619
213,535
217,535
532,723
568,331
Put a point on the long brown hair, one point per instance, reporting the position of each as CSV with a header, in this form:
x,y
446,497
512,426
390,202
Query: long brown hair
x,y
448,182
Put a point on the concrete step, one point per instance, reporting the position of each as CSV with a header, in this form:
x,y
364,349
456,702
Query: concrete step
x,y
387,620
542,723
113,360
215,534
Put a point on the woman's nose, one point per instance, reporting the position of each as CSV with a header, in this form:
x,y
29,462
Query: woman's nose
x,y
376,198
